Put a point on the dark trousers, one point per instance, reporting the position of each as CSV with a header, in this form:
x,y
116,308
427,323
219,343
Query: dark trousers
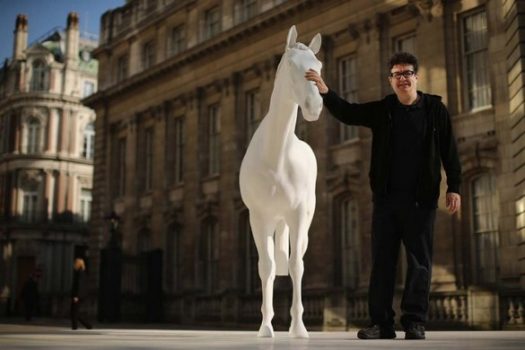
x,y
398,219
78,316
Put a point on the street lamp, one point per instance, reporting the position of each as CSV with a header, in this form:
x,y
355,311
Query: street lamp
x,y
114,221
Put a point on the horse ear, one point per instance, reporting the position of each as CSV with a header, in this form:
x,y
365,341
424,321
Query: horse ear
x,y
315,44
292,37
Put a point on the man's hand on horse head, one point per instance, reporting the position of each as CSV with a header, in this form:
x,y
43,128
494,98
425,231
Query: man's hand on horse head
x,y
312,75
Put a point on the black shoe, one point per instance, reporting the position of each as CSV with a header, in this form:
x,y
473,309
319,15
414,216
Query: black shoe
x,y
415,331
377,332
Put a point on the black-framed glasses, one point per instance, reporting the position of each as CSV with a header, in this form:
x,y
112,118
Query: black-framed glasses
x,y
406,73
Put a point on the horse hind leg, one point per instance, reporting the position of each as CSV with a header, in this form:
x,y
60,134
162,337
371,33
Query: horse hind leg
x,y
263,236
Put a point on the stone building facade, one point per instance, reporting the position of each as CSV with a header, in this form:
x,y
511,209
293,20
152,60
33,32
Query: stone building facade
x,y
46,162
182,86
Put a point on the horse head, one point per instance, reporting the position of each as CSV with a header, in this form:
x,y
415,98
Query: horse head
x,y
299,58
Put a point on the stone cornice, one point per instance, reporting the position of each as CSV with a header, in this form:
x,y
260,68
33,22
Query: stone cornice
x,y
32,158
38,98
220,42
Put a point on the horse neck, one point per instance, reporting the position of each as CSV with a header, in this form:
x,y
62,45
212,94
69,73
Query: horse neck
x,y
281,120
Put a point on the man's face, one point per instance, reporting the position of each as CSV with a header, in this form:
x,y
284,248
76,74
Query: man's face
x,y
403,79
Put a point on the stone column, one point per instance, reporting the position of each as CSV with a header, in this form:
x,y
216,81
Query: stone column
x,y
73,134
72,195
52,131
64,134
514,14
49,193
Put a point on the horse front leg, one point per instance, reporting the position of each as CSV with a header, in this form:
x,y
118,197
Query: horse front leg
x,y
262,231
299,241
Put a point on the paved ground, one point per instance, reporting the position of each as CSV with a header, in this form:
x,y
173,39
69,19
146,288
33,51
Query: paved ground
x,y
59,337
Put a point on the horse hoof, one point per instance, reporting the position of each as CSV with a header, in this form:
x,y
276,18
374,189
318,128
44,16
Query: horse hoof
x,y
265,331
299,331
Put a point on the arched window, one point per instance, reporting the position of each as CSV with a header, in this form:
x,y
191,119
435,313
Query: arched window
x,y
30,206
347,242
174,257
33,135
209,255
249,257
485,215
39,77
88,149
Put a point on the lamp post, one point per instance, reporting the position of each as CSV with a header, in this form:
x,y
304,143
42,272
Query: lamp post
x,y
114,222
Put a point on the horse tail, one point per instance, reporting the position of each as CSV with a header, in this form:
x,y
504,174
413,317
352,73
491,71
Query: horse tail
x,y
282,248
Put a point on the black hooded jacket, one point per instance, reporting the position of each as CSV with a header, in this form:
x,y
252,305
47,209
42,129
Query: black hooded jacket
x,y
439,143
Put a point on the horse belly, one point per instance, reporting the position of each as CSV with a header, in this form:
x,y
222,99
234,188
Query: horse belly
x,y
270,192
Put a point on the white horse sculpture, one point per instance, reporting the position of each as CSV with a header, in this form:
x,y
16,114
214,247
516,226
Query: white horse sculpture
x,y
277,180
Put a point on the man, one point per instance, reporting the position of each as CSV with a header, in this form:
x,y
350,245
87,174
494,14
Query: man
x,y
78,293
30,296
412,136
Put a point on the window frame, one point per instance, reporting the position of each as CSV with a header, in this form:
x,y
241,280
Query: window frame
x,y
212,26
177,44
467,102
347,133
492,211
33,137
88,145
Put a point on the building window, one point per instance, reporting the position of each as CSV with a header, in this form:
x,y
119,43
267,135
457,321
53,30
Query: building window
x,y
348,235
151,5
148,160
122,67
30,206
120,164
475,58
250,257
179,150
88,148
85,204
252,112
175,140
348,88
177,41
244,10
209,256
485,227
214,142
174,257
405,43
89,88
33,135
148,55
39,78
212,22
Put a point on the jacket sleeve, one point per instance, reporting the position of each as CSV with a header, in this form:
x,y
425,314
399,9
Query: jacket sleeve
x,y
449,153
363,114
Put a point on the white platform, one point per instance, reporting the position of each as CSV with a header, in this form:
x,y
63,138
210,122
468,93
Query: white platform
x,y
19,336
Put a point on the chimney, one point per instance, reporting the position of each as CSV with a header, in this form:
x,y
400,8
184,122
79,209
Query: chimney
x,y
72,38
20,43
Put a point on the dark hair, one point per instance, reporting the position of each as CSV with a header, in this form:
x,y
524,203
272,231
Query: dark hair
x,y
403,58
